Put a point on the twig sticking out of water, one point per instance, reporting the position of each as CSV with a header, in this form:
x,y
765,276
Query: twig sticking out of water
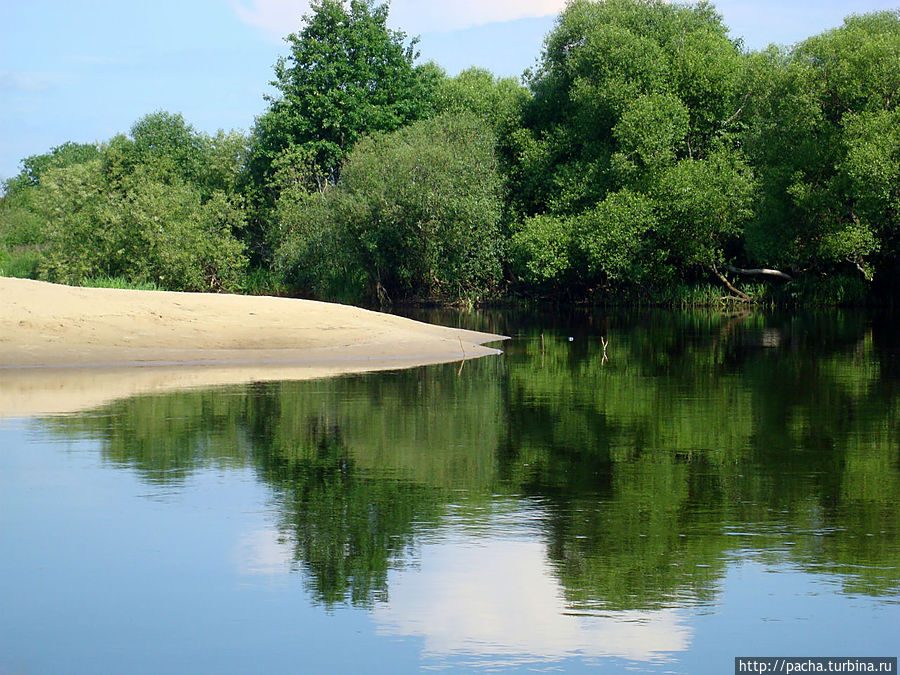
x,y
463,362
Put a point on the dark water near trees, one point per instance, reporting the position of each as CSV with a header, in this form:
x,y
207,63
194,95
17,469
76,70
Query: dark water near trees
x,y
706,487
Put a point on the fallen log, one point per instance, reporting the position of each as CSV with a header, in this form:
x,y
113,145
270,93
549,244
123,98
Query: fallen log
x,y
760,272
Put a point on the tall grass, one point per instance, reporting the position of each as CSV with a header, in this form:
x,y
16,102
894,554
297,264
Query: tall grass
x,y
260,281
120,282
21,262
831,291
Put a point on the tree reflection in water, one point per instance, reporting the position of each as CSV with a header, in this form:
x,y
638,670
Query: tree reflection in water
x,y
690,439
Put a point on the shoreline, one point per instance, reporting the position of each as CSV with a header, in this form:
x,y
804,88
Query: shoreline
x,y
65,348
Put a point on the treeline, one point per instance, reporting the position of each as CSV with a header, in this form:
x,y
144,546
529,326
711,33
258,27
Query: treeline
x,y
647,154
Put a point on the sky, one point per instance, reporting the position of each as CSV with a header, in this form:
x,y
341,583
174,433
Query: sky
x,y
85,70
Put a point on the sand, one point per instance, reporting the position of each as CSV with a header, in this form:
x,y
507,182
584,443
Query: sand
x,y
64,349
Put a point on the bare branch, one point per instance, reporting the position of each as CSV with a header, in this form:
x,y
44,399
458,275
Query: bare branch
x,y
743,296
737,112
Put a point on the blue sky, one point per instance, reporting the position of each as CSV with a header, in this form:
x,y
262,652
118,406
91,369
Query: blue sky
x,y
84,70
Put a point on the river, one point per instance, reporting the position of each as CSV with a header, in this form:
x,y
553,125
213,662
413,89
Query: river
x,y
653,491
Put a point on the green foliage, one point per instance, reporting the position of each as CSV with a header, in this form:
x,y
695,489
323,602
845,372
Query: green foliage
x,y
627,143
821,134
347,75
871,167
22,231
785,446
164,147
120,282
541,250
21,262
613,237
649,134
830,291
496,101
20,225
647,152
260,281
703,205
33,167
158,206
150,230
416,215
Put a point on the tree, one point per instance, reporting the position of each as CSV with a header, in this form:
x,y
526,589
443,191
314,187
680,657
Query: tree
x,y
703,205
634,107
159,205
144,230
822,137
347,75
33,167
497,101
415,216
165,145
22,231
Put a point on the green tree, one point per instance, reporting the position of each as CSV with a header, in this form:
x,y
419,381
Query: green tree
x,y
22,231
347,75
33,167
541,251
634,107
416,215
159,205
702,206
821,135
497,101
615,237
142,229
166,146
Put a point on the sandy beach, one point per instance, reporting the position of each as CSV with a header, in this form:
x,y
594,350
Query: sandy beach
x,y
64,348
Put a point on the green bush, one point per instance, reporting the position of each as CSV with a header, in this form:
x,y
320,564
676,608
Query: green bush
x,y
146,230
541,251
415,217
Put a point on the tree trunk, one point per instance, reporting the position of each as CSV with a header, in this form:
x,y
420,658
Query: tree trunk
x,y
740,294
761,272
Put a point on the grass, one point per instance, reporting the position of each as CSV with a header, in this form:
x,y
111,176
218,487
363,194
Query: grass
x,y
261,281
120,282
831,291
700,295
20,262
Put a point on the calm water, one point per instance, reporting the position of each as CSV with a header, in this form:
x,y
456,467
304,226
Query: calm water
x,y
707,487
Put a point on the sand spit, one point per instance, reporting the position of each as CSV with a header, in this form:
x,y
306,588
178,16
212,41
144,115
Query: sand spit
x,y
64,349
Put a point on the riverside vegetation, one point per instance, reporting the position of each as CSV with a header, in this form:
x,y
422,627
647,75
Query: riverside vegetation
x,y
647,156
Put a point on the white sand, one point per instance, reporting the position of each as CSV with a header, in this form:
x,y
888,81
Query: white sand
x,y
64,349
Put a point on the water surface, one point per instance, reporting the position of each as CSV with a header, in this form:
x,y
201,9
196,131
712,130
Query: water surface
x,y
706,486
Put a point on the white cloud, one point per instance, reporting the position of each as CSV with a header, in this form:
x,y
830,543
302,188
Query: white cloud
x,y
276,17
280,17
417,16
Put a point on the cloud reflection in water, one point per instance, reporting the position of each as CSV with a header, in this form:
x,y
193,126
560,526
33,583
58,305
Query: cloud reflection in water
x,y
491,595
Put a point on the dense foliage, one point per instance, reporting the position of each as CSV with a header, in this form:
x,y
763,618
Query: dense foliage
x,y
415,216
158,205
347,75
647,151
822,130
